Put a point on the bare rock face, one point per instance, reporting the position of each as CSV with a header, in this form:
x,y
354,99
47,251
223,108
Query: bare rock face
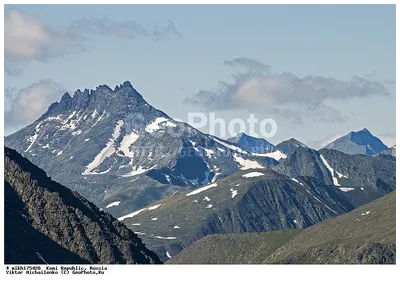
x,y
47,222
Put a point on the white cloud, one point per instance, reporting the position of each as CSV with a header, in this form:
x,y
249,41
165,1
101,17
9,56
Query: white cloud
x,y
259,88
27,38
30,103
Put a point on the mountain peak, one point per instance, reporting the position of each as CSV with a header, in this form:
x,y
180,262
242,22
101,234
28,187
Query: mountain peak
x,y
126,85
360,142
289,146
364,130
123,97
103,88
252,144
295,142
65,98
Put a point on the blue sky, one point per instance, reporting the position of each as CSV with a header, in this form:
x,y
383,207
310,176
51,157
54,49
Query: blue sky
x,y
322,46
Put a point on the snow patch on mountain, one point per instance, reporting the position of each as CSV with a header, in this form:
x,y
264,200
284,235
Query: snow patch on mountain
x,y
234,192
277,155
136,171
32,139
209,152
126,142
153,207
98,119
155,125
106,151
341,175
253,174
167,238
197,191
334,179
230,146
246,164
78,132
131,214
116,203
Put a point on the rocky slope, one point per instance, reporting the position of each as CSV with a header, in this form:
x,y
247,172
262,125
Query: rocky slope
x,y
100,141
248,201
234,248
267,200
46,222
366,235
361,142
375,174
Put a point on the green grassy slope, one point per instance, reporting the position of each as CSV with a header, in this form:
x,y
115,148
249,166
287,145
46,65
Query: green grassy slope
x,y
234,248
364,235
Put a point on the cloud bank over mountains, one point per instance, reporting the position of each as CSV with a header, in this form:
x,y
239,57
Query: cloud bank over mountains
x,y
28,104
256,86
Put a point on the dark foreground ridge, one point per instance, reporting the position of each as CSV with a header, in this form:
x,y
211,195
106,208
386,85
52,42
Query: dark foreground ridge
x,y
46,222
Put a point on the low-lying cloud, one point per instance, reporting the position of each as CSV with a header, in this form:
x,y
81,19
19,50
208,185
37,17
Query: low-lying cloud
x,y
28,38
259,88
27,105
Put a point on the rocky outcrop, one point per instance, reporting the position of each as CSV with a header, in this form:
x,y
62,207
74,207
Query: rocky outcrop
x,y
47,222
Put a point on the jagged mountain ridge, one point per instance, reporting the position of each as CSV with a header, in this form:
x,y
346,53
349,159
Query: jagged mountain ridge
x,y
360,142
100,141
46,222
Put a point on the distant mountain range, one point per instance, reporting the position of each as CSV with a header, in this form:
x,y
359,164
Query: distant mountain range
x,y
365,235
261,147
317,186
361,142
172,184
46,222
